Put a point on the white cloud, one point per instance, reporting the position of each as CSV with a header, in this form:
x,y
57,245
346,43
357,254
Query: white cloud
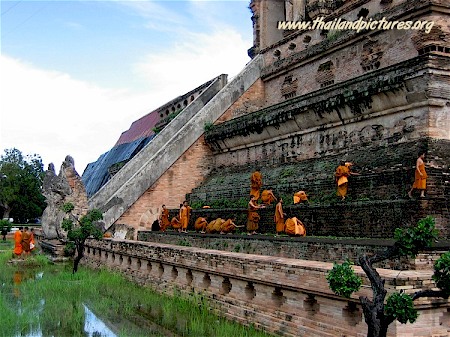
x,y
53,115
195,59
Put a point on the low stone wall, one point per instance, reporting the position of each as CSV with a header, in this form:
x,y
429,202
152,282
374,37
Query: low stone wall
x,y
305,248
285,297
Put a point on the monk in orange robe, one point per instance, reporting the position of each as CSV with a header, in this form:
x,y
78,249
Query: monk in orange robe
x,y
341,175
420,176
185,214
279,217
295,227
164,219
255,184
18,242
300,196
200,225
267,197
253,216
176,223
214,226
26,239
228,227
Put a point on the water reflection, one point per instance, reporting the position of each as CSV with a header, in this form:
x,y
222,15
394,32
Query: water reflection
x,y
51,314
94,326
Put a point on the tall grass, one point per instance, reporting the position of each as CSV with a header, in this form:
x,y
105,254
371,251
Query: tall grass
x,y
50,298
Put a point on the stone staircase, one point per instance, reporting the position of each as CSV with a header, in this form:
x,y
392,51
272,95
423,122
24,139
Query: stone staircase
x,y
140,173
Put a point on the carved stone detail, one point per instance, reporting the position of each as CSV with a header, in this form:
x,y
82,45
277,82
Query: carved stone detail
x,y
435,40
371,55
289,87
326,74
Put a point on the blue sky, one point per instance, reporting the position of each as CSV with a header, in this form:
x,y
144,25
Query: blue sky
x,y
75,74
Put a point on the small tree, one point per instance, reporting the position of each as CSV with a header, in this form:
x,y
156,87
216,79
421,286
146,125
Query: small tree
x,y
78,230
399,306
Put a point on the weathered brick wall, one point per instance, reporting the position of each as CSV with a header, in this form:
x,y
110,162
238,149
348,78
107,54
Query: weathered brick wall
x,y
251,100
285,297
304,248
379,194
360,219
171,188
353,53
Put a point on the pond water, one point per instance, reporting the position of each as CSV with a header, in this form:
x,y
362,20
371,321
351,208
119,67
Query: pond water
x,y
48,300
37,316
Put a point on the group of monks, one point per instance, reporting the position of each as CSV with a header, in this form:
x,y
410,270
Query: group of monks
x,y
290,226
344,171
180,222
23,241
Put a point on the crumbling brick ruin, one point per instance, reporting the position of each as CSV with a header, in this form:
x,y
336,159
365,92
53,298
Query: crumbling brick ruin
x,y
308,99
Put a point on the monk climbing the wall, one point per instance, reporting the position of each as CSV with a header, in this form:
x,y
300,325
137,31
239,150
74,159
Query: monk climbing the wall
x,y
300,197
200,225
18,242
164,218
341,175
185,214
279,217
255,183
267,197
253,216
420,176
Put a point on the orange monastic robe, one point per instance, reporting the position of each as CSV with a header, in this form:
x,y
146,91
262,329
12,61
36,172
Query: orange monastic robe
x,y
164,219
295,227
26,239
342,173
176,223
300,196
279,218
227,227
255,184
420,182
18,243
185,213
200,224
214,226
253,218
267,197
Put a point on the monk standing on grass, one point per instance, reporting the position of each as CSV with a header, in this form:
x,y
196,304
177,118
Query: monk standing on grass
x,y
420,176
18,242
279,217
26,240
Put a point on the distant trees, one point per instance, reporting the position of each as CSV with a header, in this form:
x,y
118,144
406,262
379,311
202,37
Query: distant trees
x,y
79,230
399,306
20,186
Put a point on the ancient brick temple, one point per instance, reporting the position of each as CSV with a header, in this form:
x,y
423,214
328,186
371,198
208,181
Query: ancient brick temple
x,y
308,99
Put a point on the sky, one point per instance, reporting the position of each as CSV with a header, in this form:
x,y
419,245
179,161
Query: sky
x,y
74,75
